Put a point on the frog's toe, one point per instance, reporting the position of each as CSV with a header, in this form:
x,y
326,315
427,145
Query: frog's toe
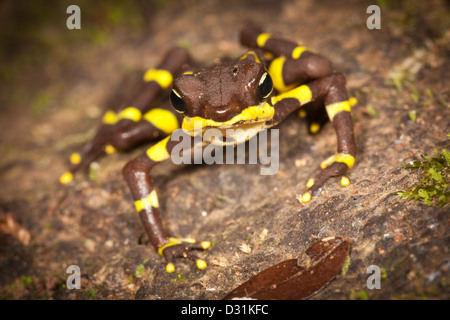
x,y
345,182
181,248
66,178
200,263
335,169
170,267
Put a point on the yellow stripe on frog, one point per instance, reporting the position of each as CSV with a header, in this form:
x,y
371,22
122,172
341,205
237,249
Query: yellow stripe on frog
x,y
149,201
335,108
162,119
297,52
260,113
262,39
131,113
158,151
253,54
163,77
276,72
173,242
346,158
303,94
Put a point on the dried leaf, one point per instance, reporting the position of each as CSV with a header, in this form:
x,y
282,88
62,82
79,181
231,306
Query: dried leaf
x,y
298,278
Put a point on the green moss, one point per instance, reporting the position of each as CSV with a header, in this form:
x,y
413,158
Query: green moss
x,y
433,188
139,270
372,111
413,115
92,293
138,273
359,295
346,266
383,274
26,280
179,278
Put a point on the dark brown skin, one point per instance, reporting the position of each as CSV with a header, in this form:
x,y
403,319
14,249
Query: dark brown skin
x,y
220,93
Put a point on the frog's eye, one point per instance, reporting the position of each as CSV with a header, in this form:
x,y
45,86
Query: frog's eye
x,y
177,103
265,85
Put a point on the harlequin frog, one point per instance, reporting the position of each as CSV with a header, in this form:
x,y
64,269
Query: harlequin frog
x,y
261,88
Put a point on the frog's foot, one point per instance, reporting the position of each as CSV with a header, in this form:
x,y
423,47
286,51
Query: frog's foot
x,y
181,248
335,166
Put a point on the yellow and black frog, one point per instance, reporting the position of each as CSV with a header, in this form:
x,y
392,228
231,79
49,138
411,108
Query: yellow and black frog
x,y
256,91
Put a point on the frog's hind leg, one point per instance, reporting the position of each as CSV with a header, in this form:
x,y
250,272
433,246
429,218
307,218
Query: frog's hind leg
x,y
136,120
155,125
137,175
315,115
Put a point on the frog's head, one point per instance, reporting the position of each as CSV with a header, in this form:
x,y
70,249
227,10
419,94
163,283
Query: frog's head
x,y
227,95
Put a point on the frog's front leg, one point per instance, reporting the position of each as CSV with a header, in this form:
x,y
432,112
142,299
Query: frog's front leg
x,y
133,121
136,173
332,89
303,76
338,108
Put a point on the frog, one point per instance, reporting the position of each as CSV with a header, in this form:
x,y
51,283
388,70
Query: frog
x,y
274,78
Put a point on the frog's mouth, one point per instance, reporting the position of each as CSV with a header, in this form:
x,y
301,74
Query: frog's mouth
x,y
239,129
250,118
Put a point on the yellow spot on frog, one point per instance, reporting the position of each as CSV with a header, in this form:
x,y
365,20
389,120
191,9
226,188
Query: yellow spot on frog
x,y
346,158
297,52
302,93
149,201
158,151
162,119
205,244
276,72
201,264
335,108
301,113
310,183
109,149
130,113
262,39
170,268
306,197
352,101
163,77
345,182
75,158
109,117
314,127
66,178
